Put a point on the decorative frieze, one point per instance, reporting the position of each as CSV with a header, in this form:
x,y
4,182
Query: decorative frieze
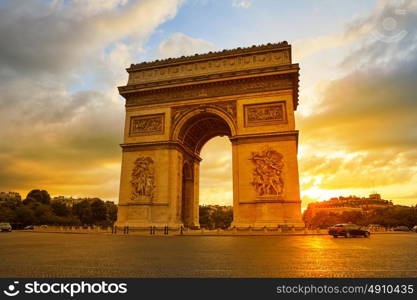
x,y
210,55
265,114
217,89
169,71
147,125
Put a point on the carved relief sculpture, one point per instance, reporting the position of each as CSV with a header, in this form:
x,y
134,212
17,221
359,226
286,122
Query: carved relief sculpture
x,y
229,108
267,174
143,179
265,114
147,125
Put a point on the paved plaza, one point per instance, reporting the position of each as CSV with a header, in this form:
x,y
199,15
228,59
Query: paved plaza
x,y
27,254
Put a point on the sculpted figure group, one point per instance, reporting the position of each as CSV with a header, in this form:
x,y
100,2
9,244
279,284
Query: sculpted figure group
x,y
143,179
267,174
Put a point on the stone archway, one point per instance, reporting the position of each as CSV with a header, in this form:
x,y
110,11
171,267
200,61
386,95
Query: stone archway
x,y
193,130
174,106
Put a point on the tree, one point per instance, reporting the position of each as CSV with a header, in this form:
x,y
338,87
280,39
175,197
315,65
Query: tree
x,y
205,216
222,217
388,216
7,214
83,211
111,212
38,209
60,208
40,196
43,214
98,211
215,216
25,216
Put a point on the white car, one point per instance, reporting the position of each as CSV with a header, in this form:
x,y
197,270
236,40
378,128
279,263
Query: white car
x,y
5,227
414,228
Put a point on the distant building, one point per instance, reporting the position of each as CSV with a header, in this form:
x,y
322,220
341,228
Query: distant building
x,y
70,201
10,196
351,203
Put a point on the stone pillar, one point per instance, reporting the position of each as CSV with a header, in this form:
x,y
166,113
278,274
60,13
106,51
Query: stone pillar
x,y
196,195
266,187
150,187
265,168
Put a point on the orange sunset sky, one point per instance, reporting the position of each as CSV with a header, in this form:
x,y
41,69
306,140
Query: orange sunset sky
x,y
61,118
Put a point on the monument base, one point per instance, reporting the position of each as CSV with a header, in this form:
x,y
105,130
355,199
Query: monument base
x,y
269,225
270,214
133,224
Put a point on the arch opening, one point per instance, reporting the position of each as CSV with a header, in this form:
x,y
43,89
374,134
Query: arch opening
x,y
193,134
216,184
200,128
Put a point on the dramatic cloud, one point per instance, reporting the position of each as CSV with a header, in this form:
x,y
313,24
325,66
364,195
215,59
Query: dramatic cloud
x,y
60,117
362,134
60,35
179,44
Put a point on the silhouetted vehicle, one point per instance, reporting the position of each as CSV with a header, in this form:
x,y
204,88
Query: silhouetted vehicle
x,y
348,230
30,227
401,228
5,227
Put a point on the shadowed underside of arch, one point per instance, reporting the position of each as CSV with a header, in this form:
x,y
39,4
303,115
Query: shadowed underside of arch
x,y
201,128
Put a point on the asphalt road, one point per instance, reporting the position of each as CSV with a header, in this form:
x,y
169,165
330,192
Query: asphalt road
x,y
25,254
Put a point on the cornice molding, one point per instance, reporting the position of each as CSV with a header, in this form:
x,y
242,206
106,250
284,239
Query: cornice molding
x,y
157,145
266,137
217,64
209,55
286,81
124,90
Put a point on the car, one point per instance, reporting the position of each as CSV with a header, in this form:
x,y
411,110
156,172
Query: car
x,y
401,228
348,230
30,227
414,228
5,227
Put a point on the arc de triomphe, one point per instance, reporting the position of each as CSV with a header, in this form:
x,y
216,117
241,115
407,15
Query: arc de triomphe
x,y
174,106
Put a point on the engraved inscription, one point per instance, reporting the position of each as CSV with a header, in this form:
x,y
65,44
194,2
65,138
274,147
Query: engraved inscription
x,y
143,179
147,125
265,114
267,173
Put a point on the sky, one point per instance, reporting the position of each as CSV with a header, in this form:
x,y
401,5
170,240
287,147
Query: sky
x,y
61,118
